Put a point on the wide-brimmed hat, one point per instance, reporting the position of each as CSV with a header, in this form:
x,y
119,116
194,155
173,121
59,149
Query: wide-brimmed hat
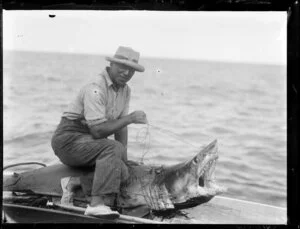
x,y
127,56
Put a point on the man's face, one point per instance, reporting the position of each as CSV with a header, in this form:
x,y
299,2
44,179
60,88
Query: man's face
x,y
120,74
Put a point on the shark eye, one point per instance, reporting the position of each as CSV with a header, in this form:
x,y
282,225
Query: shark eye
x,y
195,160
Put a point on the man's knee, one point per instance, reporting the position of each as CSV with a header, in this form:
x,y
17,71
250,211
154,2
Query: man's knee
x,y
117,148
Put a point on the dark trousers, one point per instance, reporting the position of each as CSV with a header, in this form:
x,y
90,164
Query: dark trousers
x,y
75,146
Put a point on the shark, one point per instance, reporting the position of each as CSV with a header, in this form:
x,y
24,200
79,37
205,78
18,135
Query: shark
x,y
158,187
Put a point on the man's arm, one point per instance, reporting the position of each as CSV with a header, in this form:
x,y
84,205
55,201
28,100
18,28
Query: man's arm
x,y
109,127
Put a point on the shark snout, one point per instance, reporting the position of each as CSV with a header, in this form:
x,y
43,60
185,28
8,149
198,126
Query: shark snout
x,y
212,148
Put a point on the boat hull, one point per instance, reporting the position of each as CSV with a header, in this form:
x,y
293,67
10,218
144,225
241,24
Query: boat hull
x,y
220,210
15,213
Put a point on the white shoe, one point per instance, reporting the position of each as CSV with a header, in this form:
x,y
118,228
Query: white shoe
x,y
101,211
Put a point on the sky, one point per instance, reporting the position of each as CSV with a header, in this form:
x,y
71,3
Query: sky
x,y
251,37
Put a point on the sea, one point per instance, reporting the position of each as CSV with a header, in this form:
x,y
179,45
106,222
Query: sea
x,y
188,103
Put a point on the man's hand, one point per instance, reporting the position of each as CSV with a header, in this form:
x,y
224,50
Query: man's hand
x,y
138,117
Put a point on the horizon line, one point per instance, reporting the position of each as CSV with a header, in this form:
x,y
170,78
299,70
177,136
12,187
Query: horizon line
x,y
151,57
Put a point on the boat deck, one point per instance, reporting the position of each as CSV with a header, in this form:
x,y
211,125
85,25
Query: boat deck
x,y
223,210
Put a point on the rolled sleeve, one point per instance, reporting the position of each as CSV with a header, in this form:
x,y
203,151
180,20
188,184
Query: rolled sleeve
x,y
94,98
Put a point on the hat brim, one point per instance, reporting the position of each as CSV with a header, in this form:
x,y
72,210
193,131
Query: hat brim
x,y
131,64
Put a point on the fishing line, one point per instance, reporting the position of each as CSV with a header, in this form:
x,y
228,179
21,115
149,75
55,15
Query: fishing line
x,y
170,133
143,137
145,140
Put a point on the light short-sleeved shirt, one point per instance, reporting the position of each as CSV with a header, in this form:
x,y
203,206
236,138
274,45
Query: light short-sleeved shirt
x,y
99,101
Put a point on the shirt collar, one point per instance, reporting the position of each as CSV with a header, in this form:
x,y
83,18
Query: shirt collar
x,y
109,81
107,77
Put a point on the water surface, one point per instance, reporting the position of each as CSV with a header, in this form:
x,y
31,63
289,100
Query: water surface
x,y
188,104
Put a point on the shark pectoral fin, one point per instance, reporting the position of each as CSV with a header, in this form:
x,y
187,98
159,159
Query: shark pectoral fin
x,y
67,196
68,184
167,201
160,199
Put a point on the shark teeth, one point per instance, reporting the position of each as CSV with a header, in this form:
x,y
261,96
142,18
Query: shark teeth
x,y
207,167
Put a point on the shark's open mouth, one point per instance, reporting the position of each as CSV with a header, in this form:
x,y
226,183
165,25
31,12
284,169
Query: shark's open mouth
x,y
193,182
202,186
207,183
206,174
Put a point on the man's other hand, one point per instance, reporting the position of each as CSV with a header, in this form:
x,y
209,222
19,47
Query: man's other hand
x,y
138,117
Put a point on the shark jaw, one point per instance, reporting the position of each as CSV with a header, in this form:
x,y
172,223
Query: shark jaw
x,y
192,183
207,183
